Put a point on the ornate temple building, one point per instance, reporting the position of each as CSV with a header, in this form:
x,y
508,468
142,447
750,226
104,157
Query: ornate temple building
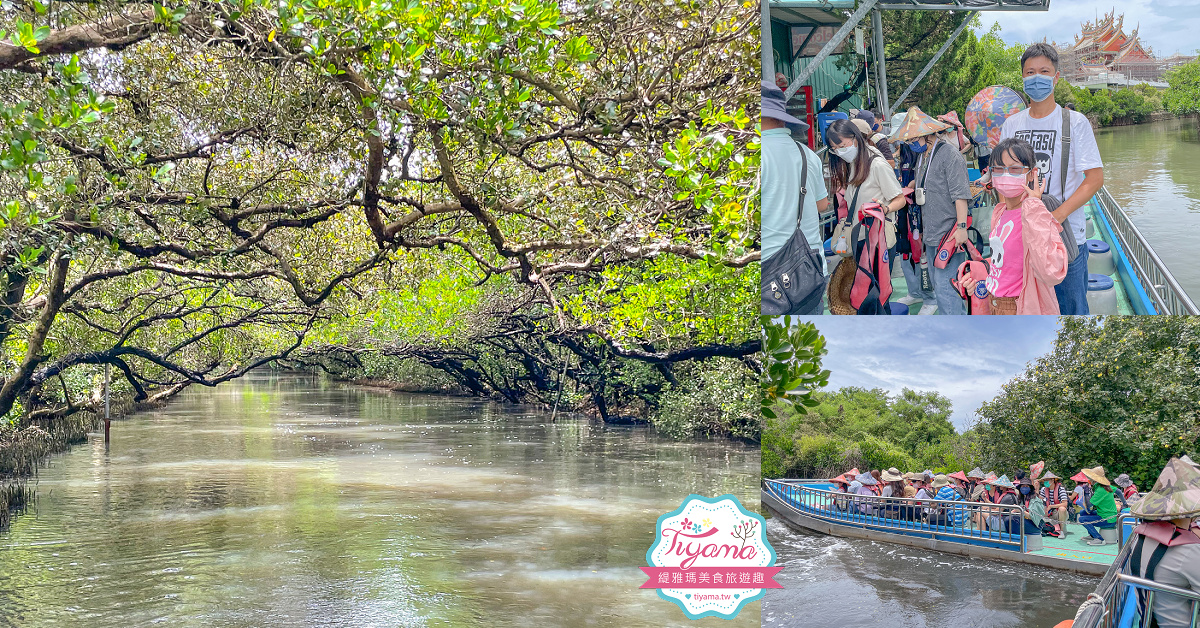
x,y
1104,47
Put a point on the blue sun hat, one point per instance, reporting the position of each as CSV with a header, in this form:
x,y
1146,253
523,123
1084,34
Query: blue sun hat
x,y
774,105
1002,482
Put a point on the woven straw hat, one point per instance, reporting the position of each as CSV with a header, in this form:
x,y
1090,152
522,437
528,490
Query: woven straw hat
x,y
1176,494
1050,476
918,124
1096,474
976,473
839,288
892,475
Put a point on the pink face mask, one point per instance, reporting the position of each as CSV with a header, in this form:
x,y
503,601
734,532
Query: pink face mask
x,y
1010,185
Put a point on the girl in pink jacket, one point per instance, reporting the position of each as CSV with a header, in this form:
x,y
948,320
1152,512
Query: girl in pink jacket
x,y
1028,256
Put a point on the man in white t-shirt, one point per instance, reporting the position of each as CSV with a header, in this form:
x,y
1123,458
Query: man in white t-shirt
x,y
1041,125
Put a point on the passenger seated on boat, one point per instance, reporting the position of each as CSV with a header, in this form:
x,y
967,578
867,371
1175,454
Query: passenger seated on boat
x,y
1104,503
894,487
878,475
947,514
865,489
1001,491
958,481
975,492
840,485
1058,506
1082,495
1167,546
910,484
1129,490
1035,509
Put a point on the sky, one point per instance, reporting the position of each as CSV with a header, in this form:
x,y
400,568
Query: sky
x,y
1168,26
965,358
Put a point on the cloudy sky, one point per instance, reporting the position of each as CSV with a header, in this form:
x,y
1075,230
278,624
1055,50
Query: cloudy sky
x,y
1169,26
966,358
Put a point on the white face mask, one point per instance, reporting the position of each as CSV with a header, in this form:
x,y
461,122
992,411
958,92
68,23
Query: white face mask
x,y
847,153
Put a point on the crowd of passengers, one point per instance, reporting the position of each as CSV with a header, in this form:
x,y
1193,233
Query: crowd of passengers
x,y
1047,505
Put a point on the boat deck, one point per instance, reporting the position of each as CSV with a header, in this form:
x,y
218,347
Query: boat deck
x,y
1075,547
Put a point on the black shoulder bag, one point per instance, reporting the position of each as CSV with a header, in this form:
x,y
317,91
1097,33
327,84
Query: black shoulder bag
x,y
792,279
1053,202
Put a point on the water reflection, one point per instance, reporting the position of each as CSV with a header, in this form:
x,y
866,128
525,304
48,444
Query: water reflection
x,y
285,501
1153,171
830,582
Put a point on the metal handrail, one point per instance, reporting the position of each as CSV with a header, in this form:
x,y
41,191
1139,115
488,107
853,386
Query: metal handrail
x,y
834,507
1162,288
1114,590
1111,593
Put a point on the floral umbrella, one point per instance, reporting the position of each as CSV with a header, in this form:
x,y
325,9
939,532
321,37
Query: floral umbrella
x,y
988,110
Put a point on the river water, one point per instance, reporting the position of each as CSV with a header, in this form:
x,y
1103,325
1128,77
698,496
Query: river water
x,y
1153,171
832,582
280,500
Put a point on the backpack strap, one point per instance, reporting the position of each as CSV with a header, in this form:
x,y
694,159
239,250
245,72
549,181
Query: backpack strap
x,y
803,185
1066,153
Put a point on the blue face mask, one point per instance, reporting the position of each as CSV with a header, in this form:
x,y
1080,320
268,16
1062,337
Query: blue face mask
x,y
1039,87
917,147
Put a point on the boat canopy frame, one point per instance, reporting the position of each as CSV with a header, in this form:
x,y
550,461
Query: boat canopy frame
x,y
803,8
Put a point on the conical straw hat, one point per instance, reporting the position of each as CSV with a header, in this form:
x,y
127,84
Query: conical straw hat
x,y
1096,474
917,124
1176,494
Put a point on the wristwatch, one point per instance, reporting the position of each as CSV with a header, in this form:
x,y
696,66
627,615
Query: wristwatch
x,y
962,225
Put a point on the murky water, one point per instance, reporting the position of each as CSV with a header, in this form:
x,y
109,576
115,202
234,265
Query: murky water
x,y
832,582
283,501
1153,171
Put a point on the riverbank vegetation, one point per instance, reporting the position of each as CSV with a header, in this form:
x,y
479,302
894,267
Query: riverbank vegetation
x,y
1182,97
1115,391
1118,391
539,202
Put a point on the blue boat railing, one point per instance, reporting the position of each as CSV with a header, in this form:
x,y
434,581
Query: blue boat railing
x,y
1165,293
1122,600
861,511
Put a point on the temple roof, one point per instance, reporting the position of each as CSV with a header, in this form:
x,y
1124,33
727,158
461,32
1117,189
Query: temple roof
x,y
1107,36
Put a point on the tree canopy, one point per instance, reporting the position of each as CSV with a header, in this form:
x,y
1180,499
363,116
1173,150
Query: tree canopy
x,y
1121,392
865,428
1183,89
515,193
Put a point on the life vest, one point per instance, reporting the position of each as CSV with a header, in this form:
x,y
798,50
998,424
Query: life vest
x,y
1050,496
1130,491
875,488
872,285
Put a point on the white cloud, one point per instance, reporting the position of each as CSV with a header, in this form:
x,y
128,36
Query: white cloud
x,y
1169,26
964,358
